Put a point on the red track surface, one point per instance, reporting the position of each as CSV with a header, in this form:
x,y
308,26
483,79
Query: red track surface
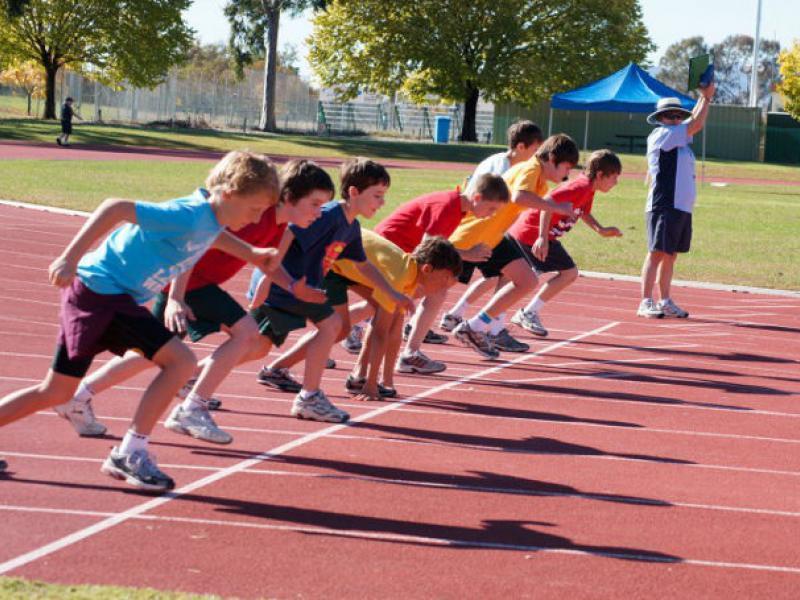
x,y
620,458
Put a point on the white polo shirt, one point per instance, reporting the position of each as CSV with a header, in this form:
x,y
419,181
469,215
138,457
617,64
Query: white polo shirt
x,y
496,164
670,162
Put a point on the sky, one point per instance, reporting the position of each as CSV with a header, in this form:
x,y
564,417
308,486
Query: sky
x,y
667,21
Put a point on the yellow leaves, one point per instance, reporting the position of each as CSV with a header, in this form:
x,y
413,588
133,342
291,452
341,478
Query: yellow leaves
x,y
790,75
27,75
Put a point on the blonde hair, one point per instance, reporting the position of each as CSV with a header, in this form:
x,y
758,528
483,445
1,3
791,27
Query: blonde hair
x,y
244,172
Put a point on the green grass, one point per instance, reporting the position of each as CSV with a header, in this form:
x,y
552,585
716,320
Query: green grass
x,y
14,588
298,145
745,235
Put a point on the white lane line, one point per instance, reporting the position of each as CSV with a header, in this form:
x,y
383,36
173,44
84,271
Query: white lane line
x,y
442,541
121,517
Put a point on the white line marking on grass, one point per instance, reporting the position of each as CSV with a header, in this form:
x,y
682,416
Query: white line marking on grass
x,y
426,541
118,518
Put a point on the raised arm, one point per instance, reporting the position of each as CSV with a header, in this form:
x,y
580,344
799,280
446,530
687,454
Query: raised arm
x,y
697,121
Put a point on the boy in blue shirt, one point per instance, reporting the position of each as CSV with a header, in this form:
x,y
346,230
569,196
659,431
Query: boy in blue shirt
x,y
294,295
103,292
672,195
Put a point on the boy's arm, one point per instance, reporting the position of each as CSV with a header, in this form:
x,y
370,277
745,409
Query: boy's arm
x,y
528,199
177,312
374,276
377,343
541,247
107,216
595,226
264,258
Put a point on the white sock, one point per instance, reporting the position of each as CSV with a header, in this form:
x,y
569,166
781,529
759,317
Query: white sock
x,y
305,394
194,401
535,305
83,394
498,324
132,442
460,307
480,322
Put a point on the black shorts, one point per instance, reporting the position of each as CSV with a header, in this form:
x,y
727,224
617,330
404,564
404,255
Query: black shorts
x,y
669,230
276,323
145,335
66,127
506,252
336,286
558,259
212,306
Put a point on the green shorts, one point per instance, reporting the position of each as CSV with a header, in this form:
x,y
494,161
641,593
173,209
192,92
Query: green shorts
x,y
335,287
276,323
212,306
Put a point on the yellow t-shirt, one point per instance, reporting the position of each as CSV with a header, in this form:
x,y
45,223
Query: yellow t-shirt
x,y
398,267
525,176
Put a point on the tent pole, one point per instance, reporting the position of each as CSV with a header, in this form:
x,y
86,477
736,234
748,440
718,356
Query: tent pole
x,y
586,133
550,123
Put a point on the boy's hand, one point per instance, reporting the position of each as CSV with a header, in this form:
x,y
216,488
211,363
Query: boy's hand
x,y
709,91
541,248
306,293
404,302
610,232
177,314
477,254
368,394
61,272
266,259
562,208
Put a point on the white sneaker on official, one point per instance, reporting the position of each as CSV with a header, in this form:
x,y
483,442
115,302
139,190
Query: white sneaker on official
x,y
648,309
317,407
671,310
418,362
81,416
197,423
529,321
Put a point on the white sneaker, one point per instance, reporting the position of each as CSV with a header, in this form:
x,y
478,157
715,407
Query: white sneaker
x,y
418,362
317,407
352,343
197,423
449,322
138,469
212,403
649,310
671,310
81,417
529,321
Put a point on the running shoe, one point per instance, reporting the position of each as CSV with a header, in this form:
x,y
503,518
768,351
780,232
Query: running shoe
x,y
211,403
431,337
476,340
449,322
505,342
418,362
671,310
356,386
330,363
197,423
649,310
529,321
138,469
280,379
317,407
81,416
3,466
354,340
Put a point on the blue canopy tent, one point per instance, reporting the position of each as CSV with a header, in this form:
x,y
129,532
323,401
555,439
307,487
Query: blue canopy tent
x,y
631,90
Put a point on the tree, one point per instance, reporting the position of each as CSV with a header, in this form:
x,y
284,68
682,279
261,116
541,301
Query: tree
x,y
28,76
117,40
733,62
673,68
254,34
790,74
503,50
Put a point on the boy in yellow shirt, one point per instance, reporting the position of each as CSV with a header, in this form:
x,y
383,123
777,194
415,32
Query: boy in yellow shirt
x,y
527,182
431,268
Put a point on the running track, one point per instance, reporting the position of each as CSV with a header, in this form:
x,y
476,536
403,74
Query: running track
x,y
620,458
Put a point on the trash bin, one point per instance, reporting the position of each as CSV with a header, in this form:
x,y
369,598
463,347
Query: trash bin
x,y
442,130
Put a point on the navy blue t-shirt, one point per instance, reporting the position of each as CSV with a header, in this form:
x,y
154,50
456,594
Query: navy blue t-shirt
x,y
315,248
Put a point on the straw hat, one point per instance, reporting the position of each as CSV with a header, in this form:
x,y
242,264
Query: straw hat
x,y
667,105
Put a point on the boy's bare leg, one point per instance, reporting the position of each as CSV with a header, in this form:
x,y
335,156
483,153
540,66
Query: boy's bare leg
x,y
177,364
393,347
54,390
318,349
472,294
217,366
522,282
360,311
426,313
557,284
299,351
664,275
116,371
257,350
372,353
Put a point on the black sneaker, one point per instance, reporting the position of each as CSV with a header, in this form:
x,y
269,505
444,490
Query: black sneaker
x,y
505,342
330,363
58,141
476,340
356,386
280,379
3,465
137,469
431,337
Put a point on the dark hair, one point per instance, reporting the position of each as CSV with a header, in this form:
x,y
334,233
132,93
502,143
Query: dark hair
x,y
602,161
300,177
439,253
69,99
524,132
361,173
559,147
492,187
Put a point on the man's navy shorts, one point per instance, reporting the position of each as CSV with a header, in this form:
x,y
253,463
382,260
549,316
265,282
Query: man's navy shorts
x,y
669,230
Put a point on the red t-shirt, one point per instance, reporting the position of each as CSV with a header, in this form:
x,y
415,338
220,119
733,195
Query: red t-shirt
x,y
578,191
438,213
216,267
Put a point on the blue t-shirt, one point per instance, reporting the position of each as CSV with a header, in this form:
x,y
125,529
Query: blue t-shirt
x,y
314,250
140,259
670,162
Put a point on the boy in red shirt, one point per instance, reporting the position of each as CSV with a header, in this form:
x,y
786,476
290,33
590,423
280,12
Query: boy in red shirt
x,y
539,231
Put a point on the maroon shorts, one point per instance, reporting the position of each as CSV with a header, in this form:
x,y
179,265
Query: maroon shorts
x,y
92,322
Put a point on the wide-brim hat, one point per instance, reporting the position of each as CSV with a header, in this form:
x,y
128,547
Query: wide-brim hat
x,y
667,105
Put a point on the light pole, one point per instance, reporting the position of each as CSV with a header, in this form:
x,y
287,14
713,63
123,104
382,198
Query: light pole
x,y
756,42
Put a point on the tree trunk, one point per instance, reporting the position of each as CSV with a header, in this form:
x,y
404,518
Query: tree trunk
x,y
29,103
267,122
468,133
51,70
